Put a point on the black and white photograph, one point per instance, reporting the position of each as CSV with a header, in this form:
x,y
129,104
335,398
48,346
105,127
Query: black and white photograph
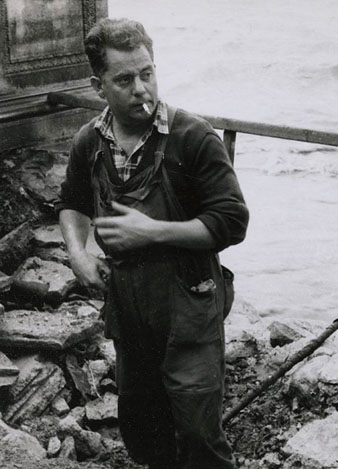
x,y
168,234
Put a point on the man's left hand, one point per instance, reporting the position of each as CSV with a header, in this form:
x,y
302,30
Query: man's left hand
x,y
129,229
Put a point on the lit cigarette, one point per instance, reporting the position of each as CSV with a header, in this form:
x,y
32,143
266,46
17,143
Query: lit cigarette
x,y
146,108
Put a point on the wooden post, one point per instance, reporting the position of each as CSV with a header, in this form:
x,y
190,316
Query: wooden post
x,y
229,139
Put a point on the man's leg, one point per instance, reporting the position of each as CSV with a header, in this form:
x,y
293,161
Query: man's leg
x,y
193,376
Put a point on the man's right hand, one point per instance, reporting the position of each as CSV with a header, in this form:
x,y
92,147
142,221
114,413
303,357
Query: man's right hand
x,y
91,271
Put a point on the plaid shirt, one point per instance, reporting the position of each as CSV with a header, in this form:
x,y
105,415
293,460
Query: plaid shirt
x,y
125,165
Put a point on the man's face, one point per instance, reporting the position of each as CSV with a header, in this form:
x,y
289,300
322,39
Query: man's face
x,y
129,82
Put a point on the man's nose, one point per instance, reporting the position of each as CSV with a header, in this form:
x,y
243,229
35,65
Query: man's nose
x,y
139,87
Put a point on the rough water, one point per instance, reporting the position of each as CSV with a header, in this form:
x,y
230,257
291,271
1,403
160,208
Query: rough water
x,y
273,61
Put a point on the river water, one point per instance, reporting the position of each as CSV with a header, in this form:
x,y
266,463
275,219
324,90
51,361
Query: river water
x,y
273,61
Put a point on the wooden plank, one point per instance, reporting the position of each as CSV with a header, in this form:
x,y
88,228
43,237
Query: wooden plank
x,y
229,139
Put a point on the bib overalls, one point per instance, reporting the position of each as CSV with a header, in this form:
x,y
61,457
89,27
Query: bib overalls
x,y
168,337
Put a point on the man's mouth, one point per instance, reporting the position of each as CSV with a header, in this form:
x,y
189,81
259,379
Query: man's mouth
x,y
146,109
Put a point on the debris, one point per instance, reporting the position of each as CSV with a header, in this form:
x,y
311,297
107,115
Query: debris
x,y
44,330
35,389
54,447
60,406
102,410
68,450
57,279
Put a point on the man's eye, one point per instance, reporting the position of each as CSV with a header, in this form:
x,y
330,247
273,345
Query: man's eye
x,y
123,81
146,76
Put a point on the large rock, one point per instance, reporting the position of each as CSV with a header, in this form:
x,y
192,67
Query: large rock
x,y
44,330
8,372
315,376
18,442
35,389
55,280
282,334
316,444
102,410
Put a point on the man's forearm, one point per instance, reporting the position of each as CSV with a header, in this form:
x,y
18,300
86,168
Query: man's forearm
x,y
75,228
192,234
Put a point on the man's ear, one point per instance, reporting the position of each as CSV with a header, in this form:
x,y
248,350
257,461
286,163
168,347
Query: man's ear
x,y
97,85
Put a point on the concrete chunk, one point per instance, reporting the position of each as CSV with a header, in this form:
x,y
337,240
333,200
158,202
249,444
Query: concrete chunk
x,y
101,410
44,330
35,389
58,277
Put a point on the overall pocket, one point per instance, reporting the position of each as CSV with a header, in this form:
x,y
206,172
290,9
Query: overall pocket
x,y
228,278
195,316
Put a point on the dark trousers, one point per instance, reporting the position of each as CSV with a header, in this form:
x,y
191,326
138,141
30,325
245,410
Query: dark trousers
x,y
170,367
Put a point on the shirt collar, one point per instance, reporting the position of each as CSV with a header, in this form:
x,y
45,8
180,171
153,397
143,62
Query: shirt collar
x,y
103,122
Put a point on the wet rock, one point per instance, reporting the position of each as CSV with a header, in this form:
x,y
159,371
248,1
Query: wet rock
x,y
102,410
54,447
57,277
17,441
8,372
68,450
60,406
282,334
46,331
315,445
88,444
35,389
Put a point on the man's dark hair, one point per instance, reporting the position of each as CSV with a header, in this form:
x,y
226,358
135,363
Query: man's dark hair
x,y
121,34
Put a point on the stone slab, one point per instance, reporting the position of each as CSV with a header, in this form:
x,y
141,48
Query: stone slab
x,y
48,236
35,389
57,277
44,330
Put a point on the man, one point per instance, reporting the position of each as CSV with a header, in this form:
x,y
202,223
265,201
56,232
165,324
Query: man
x,y
165,199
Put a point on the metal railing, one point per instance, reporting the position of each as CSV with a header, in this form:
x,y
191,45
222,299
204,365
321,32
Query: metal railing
x,y
230,127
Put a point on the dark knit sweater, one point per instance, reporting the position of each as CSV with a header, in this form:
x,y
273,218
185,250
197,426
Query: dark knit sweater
x,y
199,168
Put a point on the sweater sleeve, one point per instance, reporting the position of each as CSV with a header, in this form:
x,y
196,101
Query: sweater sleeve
x,y
76,189
222,208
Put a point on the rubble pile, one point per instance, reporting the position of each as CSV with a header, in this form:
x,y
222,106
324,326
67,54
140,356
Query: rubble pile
x,y
54,360
58,395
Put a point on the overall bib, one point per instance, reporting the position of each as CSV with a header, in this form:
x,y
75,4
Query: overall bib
x,y
168,335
